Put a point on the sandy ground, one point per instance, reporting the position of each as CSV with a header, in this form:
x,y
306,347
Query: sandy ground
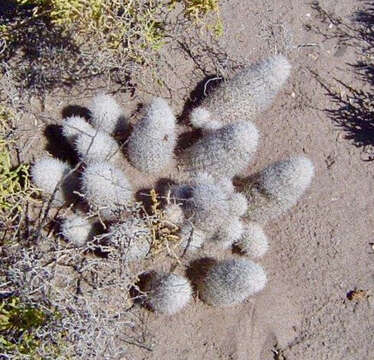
x,y
320,250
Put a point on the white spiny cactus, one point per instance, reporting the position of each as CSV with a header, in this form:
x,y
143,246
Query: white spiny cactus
x,y
74,126
202,118
106,189
107,115
225,183
152,142
275,189
229,234
204,208
97,146
243,97
168,293
213,208
204,203
77,229
238,204
225,152
174,214
229,282
133,237
191,238
253,241
54,176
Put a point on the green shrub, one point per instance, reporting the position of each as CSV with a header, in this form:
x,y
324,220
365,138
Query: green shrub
x,y
15,187
18,323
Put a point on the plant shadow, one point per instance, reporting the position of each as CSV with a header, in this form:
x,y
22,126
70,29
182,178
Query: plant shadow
x,y
353,111
58,145
197,95
38,52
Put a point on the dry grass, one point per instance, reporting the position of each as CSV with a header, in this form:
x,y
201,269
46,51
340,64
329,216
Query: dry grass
x,y
88,288
55,43
164,232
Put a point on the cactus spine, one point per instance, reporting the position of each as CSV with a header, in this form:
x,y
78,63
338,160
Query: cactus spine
x,y
77,229
229,282
225,152
107,115
152,142
96,146
277,188
253,241
247,94
106,189
168,293
54,176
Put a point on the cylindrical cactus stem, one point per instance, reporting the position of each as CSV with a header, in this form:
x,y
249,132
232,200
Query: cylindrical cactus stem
x,y
230,282
238,204
204,204
201,118
277,188
173,214
106,189
97,146
229,234
167,293
247,94
253,242
225,152
78,230
192,238
73,126
152,142
55,177
107,115
132,237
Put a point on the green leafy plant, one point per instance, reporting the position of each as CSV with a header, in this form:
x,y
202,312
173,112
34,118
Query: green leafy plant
x,y
15,187
18,323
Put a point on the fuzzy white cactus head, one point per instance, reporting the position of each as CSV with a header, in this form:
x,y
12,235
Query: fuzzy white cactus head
x,y
107,115
287,178
202,118
229,282
96,146
238,204
77,230
54,176
152,142
225,152
274,190
253,241
229,234
174,214
132,237
248,93
192,239
74,126
106,189
168,293
204,203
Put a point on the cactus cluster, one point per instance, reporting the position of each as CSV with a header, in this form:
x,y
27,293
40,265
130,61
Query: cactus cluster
x,y
204,207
